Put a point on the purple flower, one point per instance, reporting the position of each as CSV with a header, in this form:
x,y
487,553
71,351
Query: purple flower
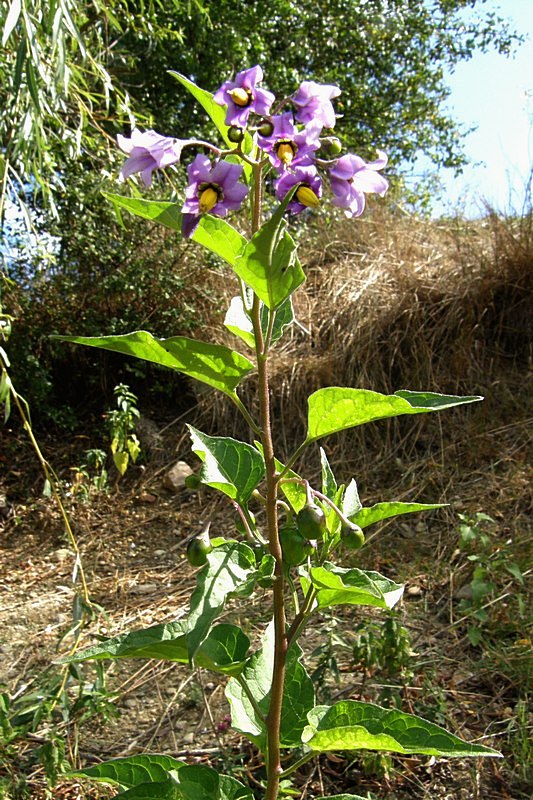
x,y
148,151
211,189
242,96
313,101
351,177
308,193
286,146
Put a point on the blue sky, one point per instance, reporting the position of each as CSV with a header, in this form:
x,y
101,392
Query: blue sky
x,y
494,94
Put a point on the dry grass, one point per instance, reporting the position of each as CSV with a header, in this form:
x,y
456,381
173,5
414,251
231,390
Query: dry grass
x,y
396,302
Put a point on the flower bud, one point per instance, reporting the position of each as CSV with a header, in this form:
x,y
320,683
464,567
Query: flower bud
x,y
235,134
306,196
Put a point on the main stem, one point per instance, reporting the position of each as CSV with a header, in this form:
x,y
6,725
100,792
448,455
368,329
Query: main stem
x,y
273,720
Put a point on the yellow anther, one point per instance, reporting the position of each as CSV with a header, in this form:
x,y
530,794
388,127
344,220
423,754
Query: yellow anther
x,y
241,97
306,196
285,153
208,200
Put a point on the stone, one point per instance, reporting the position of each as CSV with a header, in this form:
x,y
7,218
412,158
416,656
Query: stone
x,y
175,477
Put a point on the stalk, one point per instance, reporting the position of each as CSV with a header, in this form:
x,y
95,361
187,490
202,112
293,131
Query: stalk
x,y
273,719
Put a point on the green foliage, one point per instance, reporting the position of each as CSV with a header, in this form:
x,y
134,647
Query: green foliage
x,y
234,468
213,364
249,695
491,563
91,476
122,421
339,586
352,725
334,409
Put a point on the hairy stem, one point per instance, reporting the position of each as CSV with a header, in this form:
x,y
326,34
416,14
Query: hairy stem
x,y
273,720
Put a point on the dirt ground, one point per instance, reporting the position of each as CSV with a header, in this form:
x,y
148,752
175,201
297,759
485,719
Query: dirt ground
x,y
132,542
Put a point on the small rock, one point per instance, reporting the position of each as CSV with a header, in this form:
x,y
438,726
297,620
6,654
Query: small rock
x,y
188,738
146,497
414,591
145,588
175,477
130,702
62,554
160,553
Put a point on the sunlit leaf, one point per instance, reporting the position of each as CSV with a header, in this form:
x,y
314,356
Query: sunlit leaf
x,y
337,586
130,771
352,725
368,516
223,650
269,264
298,695
213,233
214,364
336,408
234,468
228,567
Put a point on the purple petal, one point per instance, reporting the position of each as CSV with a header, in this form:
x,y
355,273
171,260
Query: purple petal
x,y
189,223
225,174
369,181
248,78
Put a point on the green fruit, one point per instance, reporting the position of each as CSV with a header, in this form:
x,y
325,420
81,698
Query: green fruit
x,y
352,536
197,551
331,145
265,128
311,522
294,546
235,134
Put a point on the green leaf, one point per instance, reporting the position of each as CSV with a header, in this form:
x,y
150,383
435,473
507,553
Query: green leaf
x,y
239,323
343,797
284,317
329,484
213,233
224,650
351,725
120,461
351,503
298,695
131,771
269,264
336,408
198,782
337,586
229,565
161,790
234,468
220,237
368,516
214,364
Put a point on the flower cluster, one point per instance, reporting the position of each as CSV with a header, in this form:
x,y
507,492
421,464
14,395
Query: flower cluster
x,y
296,143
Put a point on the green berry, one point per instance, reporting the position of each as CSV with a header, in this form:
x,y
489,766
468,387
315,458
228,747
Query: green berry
x,y
352,536
294,546
331,145
235,134
311,522
197,551
265,128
